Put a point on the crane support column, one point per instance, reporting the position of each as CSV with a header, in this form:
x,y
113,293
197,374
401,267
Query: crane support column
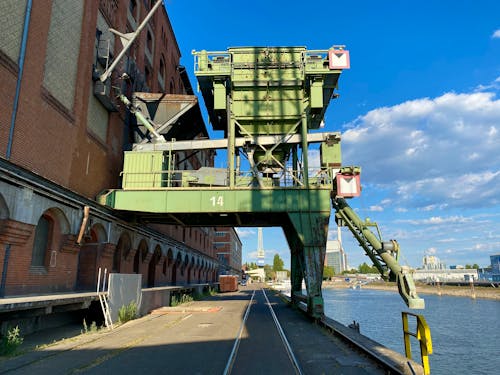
x,y
310,230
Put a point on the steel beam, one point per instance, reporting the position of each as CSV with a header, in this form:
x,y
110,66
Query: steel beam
x,y
172,201
264,140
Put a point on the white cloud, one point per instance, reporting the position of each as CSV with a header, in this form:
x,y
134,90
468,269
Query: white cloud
x,y
495,85
376,208
313,158
437,220
496,34
431,251
245,232
445,240
427,148
430,207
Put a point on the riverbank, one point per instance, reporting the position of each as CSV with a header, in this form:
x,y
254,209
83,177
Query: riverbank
x,y
444,290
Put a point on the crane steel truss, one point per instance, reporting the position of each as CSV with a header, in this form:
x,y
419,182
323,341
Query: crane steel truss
x,y
266,100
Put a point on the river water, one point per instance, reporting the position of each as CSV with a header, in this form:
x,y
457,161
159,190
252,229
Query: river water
x,y
465,332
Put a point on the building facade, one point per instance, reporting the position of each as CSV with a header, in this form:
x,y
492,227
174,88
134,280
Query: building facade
x,y
431,262
335,256
62,138
491,273
228,248
445,275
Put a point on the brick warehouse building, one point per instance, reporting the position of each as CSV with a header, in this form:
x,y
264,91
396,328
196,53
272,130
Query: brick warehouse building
x,y
228,249
62,137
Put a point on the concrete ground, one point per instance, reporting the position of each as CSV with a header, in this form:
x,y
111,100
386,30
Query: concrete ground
x,y
197,338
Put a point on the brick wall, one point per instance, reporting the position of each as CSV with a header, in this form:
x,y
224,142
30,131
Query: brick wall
x,y
53,138
51,134
58,276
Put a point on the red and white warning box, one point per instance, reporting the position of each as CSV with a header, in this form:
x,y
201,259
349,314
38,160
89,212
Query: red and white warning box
x,y
338,58
348,185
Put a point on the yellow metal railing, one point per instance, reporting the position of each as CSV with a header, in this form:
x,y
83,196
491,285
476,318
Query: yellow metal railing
x,y
422,334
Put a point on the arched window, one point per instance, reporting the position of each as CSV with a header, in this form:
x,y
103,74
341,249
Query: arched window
x,y
140,255
161,73
133,8
147,74
41,243
162,66
122,250
4,212
149,42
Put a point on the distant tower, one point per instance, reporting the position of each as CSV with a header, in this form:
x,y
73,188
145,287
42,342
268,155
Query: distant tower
x,y
260,249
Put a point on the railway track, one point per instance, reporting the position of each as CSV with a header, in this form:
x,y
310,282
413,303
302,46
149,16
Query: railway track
x,y
261,345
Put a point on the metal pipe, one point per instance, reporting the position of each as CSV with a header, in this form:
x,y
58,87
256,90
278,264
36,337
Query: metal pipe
x,y
305,162
231,139
143,120
108,72
86,212
22,56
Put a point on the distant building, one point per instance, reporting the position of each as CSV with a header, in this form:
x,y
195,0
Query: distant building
x,y
445,275
228,247
431,262
493,272
495,263
335,255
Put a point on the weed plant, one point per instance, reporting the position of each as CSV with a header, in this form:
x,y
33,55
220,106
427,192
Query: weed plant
x,y
11,341
92,329
179,300
127,312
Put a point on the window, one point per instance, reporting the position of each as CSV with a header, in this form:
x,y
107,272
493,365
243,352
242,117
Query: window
x,y
149,42
161,73
140,255
149,48
62,52
147,74
43,234
133,7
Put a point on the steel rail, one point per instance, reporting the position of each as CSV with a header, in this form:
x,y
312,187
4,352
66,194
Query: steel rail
x,y
232,356
285,341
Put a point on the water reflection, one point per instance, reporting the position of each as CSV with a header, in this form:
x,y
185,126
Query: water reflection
x,y
465,332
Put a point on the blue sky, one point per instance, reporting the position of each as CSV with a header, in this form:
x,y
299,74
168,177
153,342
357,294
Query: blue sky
x,y
419,111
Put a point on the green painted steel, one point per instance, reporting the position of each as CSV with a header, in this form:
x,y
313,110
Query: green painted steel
x,y
220,201
145,170
381,253
271,88
252,93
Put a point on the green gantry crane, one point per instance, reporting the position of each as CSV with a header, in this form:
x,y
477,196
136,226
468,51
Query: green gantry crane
x,y
266,100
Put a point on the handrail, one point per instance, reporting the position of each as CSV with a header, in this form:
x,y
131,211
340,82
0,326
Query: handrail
x,y
164,178
422,334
